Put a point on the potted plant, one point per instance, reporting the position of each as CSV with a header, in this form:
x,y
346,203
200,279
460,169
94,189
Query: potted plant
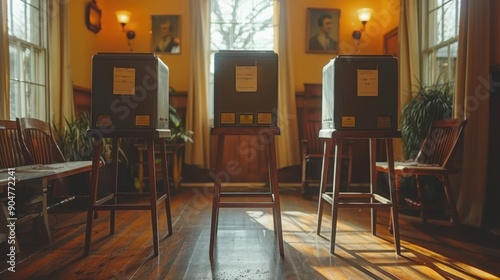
x,y
430,103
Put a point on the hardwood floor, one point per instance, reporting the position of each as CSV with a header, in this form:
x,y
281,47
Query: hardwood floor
x,y
246,247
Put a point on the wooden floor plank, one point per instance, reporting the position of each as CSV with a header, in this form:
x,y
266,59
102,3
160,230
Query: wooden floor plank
x,y
246,245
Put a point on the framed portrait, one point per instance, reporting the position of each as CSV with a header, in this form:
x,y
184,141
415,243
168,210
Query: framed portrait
x,y
166,32
322,28
93,17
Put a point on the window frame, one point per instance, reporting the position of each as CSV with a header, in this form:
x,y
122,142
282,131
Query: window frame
x,y
32,74
428,68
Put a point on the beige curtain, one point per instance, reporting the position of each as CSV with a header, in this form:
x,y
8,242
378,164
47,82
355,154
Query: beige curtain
x,y
409,58
60,87
4,63
287,145
472,101
197,118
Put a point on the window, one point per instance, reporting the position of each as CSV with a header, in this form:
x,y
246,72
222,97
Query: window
x,y
240,25
27,23
441,18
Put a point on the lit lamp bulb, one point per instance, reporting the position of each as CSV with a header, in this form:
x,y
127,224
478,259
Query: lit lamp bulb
x,y
123,17
364,15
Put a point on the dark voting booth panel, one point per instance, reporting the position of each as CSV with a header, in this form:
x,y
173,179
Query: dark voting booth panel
x,y
360,92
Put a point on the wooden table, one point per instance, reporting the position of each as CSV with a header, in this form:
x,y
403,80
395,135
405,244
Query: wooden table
x,y
357,200
36,178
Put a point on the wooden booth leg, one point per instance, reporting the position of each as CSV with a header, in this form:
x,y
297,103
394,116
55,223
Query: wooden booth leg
x,y
96,157
327,147
216,195
273,178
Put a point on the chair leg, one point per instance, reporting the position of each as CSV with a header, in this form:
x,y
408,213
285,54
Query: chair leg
x,y
423,212
450,199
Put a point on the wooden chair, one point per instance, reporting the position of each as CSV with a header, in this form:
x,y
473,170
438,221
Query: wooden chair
x,y
432,160
12,149
32,203
311,146
39,140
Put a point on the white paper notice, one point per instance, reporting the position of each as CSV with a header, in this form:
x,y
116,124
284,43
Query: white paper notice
x,y
367,82
246,78
124,81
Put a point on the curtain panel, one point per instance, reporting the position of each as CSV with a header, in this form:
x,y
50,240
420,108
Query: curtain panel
x,y
472,102
60,86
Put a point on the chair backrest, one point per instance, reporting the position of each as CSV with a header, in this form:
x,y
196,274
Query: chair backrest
x,y
311,118
39,140
13,152
440,142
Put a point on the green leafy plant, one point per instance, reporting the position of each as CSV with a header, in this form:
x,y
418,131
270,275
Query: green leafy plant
x,y
178,132
73,140
429,103
76,145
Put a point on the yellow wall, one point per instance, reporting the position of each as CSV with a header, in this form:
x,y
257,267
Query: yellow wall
x,y
307,67
83,44
110,38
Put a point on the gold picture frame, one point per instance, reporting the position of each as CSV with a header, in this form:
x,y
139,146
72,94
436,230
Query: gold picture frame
x,y
166,31
322,22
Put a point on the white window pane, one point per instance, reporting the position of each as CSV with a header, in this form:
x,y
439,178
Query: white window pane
x,y
34,3
36,102
26,74
435,34
442,65
18,20
39,59
449,25
14,66
33,29
15,99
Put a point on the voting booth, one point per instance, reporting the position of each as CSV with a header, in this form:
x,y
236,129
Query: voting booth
x,y
246,88
129,92
360,92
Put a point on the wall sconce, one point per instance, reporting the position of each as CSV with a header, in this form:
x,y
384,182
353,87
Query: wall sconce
x,y
364,15
123,17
